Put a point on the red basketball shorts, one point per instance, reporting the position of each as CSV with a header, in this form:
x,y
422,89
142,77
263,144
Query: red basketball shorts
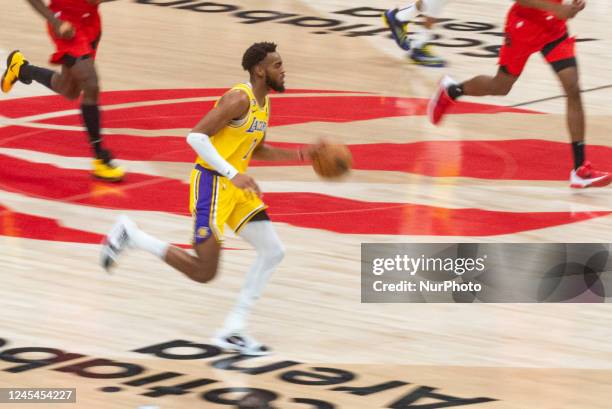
x,y
525,37
88,30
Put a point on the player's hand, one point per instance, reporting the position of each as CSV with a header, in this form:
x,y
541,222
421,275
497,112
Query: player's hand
x,y
63,29
580,4
247,183
567,11
311,150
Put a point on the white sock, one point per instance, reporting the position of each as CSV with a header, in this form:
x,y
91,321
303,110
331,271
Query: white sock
x,y
262,236
407,13
236,320
146,242
421,38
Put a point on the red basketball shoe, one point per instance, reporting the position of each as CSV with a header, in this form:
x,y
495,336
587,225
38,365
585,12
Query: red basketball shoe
x,y
441,101
586,176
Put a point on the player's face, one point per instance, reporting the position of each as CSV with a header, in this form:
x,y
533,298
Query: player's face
x,y
275,72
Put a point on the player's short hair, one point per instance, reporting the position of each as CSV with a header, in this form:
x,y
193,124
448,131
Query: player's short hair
x,y
256,54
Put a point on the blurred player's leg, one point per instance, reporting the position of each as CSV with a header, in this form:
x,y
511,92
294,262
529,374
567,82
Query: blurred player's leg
x,y
270,252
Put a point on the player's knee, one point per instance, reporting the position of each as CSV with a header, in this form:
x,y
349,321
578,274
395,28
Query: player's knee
x,y
68,89
91,89
275,254
203,276
573,91
72,94
205,272
503,88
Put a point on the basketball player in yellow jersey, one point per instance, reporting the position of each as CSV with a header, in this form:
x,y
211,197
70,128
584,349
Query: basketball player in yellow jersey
x,y
223,193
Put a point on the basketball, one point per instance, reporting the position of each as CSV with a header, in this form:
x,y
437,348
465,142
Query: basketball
x,y
332,161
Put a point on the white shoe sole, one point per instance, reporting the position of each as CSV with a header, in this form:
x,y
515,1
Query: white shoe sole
x,y
579,183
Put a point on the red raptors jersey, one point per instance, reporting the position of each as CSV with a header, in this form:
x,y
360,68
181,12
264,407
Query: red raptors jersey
x,y
71,9
531,13
538,22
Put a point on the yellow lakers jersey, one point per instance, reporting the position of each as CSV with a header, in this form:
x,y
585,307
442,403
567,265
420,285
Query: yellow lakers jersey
x,y
237,140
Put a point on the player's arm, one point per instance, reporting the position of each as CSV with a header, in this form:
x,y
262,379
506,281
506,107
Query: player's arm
x,y
562,11
63,29
266,152
232,105
43,10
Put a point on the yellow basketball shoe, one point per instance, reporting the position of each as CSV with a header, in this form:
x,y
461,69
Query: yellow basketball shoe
x,y
107,171
14,62
425,56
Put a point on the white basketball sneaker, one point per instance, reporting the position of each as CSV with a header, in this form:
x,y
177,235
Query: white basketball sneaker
x,y
117,240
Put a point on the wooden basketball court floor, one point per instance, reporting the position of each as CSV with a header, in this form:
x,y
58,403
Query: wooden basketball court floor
x,y
491,173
